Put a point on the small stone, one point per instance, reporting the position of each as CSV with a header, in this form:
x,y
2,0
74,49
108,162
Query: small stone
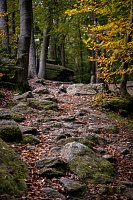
x,y
41,90
73,187
52,162
42,81
28,130
123,150
5,113
127,183
31,148
50,172
52,193
110,158
62,88
24,96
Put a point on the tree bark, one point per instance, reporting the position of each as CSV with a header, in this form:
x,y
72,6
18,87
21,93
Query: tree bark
x,y
123,86
24,44
44,53
4,26
32,70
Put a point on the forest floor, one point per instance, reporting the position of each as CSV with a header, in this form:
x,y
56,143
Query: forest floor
x,y
68,106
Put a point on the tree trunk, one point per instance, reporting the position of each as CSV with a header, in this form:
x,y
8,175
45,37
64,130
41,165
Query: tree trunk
x,y
32,70
13,50
63,54
93,69
4,26
24,43
123,86
44,53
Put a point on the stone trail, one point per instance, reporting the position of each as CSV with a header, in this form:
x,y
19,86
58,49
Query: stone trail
x,y
65,133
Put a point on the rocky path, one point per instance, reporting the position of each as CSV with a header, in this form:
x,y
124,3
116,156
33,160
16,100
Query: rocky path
x,y
71,119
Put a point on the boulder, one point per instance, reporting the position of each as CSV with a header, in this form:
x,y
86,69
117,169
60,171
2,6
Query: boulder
x,y
41,90
9,131
58,73
72,187
23,96
51,162
100,128
50,172
13,171
5,113
28,130
52,193
42,104
90,141
86,164
84,89
51,167
22,108
30,139
17,117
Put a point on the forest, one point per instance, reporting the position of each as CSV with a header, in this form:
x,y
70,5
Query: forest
x,y
66,99
95,43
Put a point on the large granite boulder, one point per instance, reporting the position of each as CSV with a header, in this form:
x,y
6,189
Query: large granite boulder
x,y
84,89
58,73
9,131
13,171
86,164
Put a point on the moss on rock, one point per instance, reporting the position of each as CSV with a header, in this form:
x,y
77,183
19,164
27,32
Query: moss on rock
x,y
30,139
86,164
13,171
46,105
17,117
119,104
9,131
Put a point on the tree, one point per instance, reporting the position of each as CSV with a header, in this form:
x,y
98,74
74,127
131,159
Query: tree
x,y
32,70
24,43
114,51
4,31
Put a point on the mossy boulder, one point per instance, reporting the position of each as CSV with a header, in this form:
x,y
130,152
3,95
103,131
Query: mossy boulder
x,y
9,131
17,117
86,164
90,141
58,73
42,105
13,171
30,139
22,108
119,104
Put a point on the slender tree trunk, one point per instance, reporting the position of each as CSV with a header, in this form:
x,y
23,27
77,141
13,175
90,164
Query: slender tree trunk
x,y
93,69
24,43
52,49
13,50
63,55
123,86
44,53
32,70
81,56
4,26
